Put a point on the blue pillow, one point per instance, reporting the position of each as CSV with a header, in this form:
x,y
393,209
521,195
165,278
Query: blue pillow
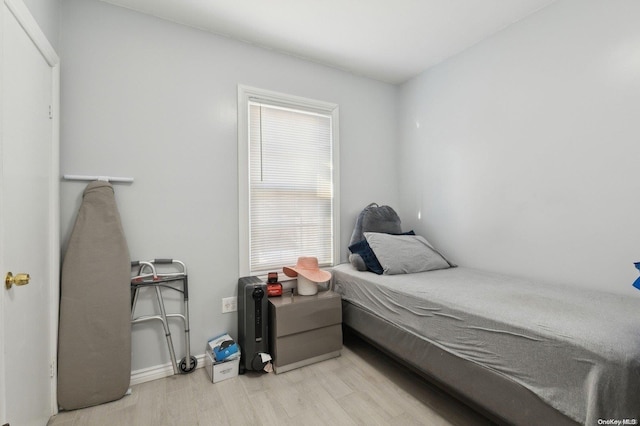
x,y
362,249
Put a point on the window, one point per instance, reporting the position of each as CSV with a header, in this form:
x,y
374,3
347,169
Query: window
x,y
288,180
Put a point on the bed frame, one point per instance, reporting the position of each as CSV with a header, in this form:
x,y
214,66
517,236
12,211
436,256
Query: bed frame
x,y
496,397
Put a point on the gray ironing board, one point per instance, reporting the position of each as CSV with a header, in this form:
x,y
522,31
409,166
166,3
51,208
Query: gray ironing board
x,y
94,339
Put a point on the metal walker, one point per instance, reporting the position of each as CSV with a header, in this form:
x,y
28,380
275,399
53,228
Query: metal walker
x,y
147,276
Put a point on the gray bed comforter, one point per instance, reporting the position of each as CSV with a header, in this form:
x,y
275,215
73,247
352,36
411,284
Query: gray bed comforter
x,y
577,349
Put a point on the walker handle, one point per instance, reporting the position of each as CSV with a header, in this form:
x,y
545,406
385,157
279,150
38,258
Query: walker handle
x,y
162,261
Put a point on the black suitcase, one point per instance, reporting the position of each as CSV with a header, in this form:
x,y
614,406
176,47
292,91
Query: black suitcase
x,y
253,314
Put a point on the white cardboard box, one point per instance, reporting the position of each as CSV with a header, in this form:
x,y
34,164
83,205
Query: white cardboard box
x,y
219,371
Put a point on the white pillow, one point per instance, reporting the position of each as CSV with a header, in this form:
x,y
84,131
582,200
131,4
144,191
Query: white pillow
x,y
404,254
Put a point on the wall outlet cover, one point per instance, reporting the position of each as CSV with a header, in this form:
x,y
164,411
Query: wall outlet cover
x,y
229,304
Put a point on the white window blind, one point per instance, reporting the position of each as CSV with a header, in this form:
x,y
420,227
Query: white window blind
x,y
291,186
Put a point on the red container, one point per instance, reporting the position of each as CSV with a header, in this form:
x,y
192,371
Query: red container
x,y
274,289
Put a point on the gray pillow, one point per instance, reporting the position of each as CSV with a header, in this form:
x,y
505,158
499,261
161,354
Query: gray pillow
x,y
404,254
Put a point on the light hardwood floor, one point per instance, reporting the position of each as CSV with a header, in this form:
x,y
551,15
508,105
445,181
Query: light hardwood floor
x,y
361,387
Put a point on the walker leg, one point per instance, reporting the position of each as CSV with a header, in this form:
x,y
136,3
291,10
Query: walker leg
x,y
186,331
188,363
167,332
134,301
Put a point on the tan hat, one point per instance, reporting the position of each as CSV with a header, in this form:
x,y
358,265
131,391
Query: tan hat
x,y
308,268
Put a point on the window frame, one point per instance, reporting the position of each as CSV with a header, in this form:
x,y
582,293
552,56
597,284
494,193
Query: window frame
x,y
246,94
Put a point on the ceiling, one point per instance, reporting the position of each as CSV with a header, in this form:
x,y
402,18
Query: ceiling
x,y
388,40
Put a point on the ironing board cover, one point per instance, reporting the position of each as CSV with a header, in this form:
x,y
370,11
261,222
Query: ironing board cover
x,y
94,339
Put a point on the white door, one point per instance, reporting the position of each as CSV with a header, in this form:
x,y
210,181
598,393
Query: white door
x,y
28,218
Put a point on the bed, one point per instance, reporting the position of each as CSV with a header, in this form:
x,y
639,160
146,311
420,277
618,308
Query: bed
x,y
523,352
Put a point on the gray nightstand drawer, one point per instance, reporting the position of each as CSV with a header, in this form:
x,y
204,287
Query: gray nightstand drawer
x,y
302,346
305,313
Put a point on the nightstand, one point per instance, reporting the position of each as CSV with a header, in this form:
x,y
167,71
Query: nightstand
x,y
304,329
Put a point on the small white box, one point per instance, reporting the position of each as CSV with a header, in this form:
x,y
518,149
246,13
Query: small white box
x,y
219,371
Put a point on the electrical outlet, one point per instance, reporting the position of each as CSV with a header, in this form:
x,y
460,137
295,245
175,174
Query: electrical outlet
x,y
229,304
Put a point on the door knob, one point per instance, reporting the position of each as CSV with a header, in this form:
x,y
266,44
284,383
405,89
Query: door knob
x,y
19,279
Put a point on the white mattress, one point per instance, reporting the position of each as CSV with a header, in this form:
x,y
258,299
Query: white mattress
x,y
578,350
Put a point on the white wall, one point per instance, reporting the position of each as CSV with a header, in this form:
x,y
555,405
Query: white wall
x,y
154,100
523,153
47,14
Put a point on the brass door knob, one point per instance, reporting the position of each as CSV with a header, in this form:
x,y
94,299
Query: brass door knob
x,y
19,279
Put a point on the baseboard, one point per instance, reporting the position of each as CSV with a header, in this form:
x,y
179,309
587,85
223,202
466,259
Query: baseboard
x,y
158,372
